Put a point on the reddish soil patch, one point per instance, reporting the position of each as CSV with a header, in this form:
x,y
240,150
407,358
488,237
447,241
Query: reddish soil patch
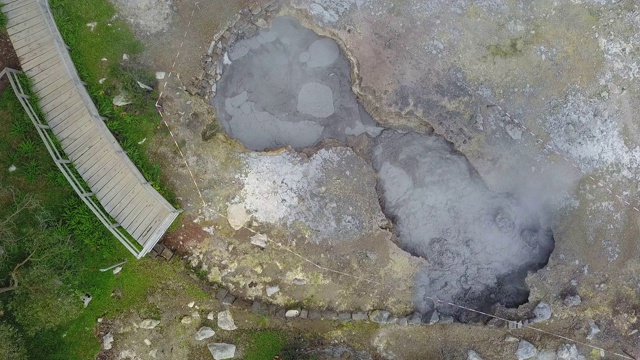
x,y
8,57
188,234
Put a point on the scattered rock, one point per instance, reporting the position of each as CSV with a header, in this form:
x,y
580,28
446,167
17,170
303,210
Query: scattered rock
x,y
432,318
225,59
125,57
204,332
402,321
572,300
92,25
414,319
147,342
228,300
101,81
514,131
143,86
547,355
379,316
272,290
298,281
304,314
191,304
472,355
542,312
86,299
210,316
526,350
153,353
12,168
117,270
593,330
237,216
568,352
186,320
121,100
225,321
261,23
222,351
259,240
160,75
149,324
107,341
292,313
359,316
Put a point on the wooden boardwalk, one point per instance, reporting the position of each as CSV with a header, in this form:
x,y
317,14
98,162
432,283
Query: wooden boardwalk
x,y
118,193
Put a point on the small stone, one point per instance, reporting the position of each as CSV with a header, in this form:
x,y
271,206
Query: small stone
x,y
149,324
191,304
228,300
314,315
344,316
330,315
258,308
572,300
299,282
593,330
125,57
221,294
225,321
121,100
204,332
261,23
117,270
221,351
101,81
567,352
153,353
472,355
167,254
147,342
160,75
86,299
259,240
143,86
256,10
292,313
304,313
272,290
379,316
446,319
12,168
414,319
237,216
92,25
107,341
186,320
511,339
195,315
542,312
547,355
402,321
514,131
526,350
359,316
432,318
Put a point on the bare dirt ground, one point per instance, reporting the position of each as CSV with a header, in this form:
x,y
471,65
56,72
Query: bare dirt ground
x,y
8,58
467,72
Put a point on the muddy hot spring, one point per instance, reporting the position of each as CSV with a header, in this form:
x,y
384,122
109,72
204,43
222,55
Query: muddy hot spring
x,y
288,86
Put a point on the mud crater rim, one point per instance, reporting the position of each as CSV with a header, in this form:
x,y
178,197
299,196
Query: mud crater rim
x,y
242,104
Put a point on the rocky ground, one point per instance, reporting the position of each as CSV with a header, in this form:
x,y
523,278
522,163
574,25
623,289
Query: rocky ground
x,y
539,97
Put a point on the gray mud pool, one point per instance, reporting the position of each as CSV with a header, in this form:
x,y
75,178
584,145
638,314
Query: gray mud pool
x,y
288,86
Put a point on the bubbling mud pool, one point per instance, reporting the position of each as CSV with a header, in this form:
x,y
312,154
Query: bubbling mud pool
x,y
288,86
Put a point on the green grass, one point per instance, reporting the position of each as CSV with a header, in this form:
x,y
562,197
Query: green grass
x,y
91,246
3,19
264,344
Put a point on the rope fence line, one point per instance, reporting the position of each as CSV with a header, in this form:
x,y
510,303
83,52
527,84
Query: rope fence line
x,y
341,273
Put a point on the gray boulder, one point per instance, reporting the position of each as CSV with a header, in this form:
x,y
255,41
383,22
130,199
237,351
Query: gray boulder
x,y
379,316
593,330
221,351
526,350
205,332
225,321
542,312
432,318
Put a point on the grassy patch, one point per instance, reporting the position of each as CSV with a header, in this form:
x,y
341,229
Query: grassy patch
x,y
264,344
72,245
3,19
